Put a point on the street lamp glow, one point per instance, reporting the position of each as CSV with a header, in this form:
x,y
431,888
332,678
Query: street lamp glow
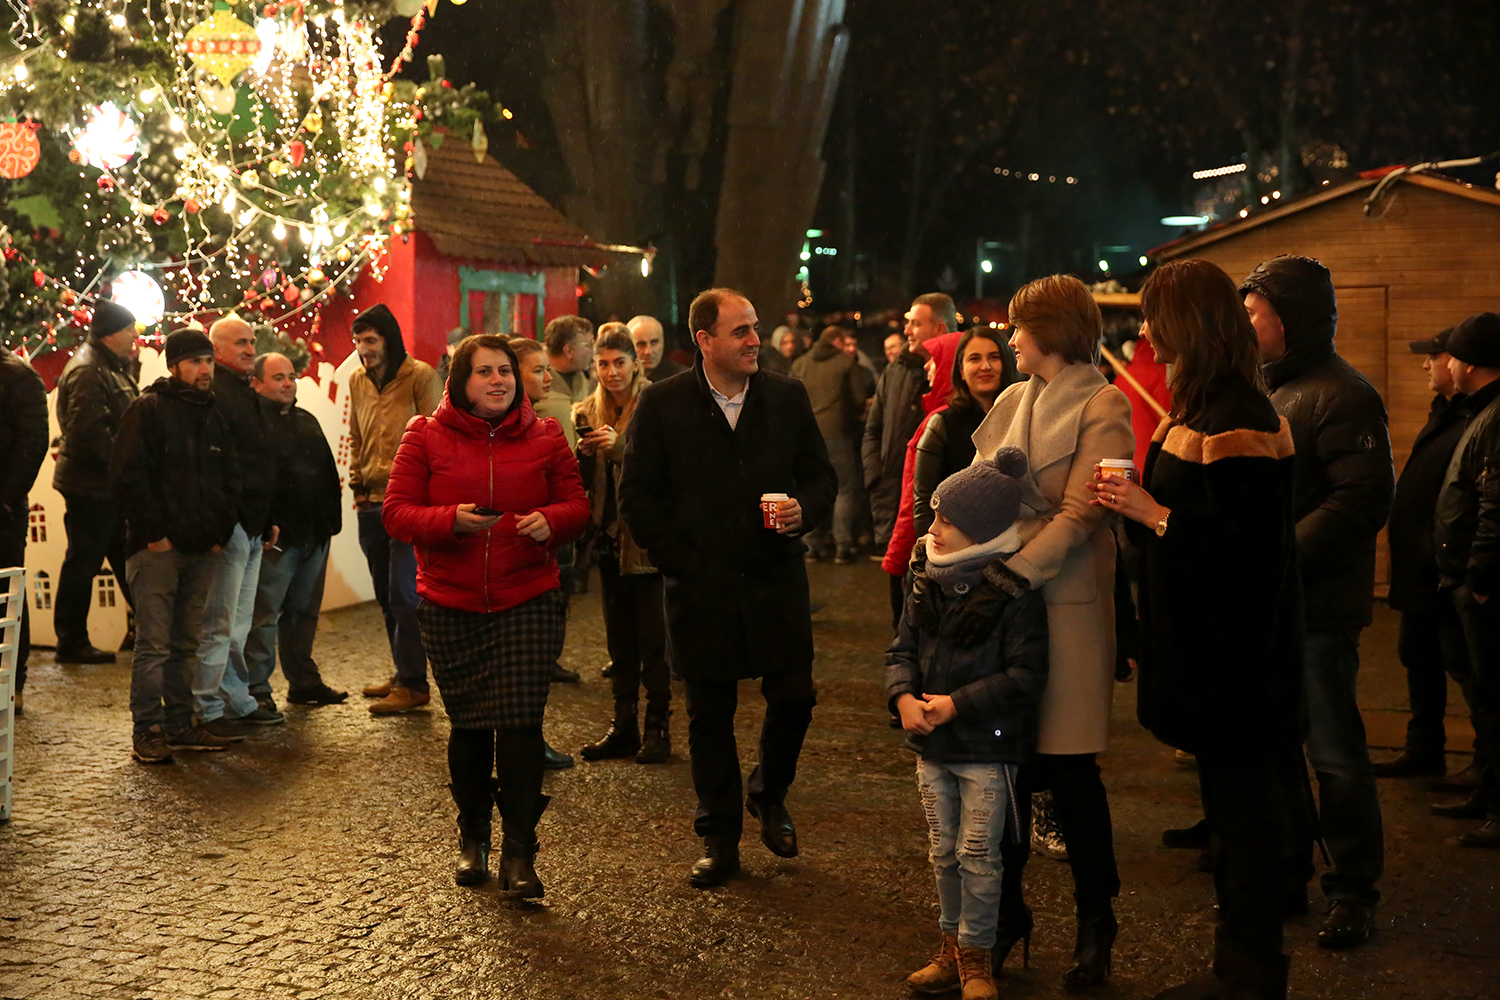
x,y
645,267
1145,260
813,234
986,266
1184,220
1104,265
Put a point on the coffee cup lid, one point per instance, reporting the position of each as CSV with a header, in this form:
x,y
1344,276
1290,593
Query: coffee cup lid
x,y
774,496
1118,462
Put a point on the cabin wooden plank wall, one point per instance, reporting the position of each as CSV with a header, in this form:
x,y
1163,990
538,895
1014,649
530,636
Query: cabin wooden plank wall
x,y
1428,260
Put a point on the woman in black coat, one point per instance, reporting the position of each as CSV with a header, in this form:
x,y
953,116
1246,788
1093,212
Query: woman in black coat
x,y
1221,657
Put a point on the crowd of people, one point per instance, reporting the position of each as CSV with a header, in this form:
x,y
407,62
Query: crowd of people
x,y
1040,546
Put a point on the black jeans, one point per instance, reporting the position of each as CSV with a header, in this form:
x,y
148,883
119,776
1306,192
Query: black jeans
x,y
96,531
1430,647
13,554
1254,802
635,631
1481,625
1081,807
790,697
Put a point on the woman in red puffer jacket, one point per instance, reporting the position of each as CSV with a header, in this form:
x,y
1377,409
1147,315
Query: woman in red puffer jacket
x,y
486,492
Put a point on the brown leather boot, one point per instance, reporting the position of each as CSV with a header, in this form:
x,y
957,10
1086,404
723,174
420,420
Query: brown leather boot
x,y
401,699
975,974
941,974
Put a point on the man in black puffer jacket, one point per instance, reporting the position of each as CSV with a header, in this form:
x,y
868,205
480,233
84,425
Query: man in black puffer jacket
x,y
1343,482
23,445
176,479
1467,531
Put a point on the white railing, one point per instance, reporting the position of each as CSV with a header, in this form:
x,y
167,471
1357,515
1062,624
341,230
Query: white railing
x,y
12,601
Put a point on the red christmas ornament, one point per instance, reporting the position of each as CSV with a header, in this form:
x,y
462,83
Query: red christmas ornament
x,y
19,149
297,152
417,115
160,216
190,207
271,10
11,253
106,182
251,295
69,297
75,157
448,84
292,296
268,306
81,317
38,278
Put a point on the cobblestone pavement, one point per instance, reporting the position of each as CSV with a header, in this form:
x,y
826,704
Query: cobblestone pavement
x,y
315,860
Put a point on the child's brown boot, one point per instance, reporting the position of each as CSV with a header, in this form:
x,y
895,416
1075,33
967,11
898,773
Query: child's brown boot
x,y
941,974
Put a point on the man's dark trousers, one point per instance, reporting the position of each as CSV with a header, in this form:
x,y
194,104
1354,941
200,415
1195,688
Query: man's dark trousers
x,y
393,571
13,554
790,697
95,532
1481,625
1431,648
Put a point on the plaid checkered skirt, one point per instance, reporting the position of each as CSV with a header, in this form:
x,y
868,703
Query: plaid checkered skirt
x,y
494,669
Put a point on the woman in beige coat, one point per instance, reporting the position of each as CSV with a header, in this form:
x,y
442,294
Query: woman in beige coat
x,y
1066,418
630,587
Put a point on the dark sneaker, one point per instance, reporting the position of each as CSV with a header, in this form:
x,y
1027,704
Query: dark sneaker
x,y
562,675
322,694
197,738
224,730
260,717
266,702
84,652
150,747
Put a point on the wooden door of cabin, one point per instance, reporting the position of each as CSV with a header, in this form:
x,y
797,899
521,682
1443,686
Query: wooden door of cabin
x,y
506,302
1364,342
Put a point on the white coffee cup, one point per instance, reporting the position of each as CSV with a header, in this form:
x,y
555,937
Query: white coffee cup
x,y
1122,467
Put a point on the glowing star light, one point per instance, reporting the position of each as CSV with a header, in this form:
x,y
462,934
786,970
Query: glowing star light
x,y
139,292
109,140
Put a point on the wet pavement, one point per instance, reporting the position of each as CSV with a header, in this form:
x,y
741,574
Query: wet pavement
x,y
315,860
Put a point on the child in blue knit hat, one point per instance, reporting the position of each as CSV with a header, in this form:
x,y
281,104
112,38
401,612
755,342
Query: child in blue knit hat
x,y
965,676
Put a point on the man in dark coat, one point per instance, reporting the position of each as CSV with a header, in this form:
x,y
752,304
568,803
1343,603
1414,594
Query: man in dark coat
x,y
175,476
93,392
308,511
1430,645
1467,532
649,339
896,409
1342,485
221,685
838,392
23,445
701,451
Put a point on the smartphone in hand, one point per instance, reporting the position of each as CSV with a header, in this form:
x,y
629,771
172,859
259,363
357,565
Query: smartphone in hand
x,y
488,512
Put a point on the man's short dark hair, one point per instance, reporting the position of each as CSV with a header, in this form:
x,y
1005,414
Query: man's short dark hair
x,y
943,309
563,330
703,314
260,365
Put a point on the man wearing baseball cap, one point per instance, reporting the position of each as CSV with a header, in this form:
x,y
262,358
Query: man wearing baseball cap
x,y
1428,620
175,477
1468,556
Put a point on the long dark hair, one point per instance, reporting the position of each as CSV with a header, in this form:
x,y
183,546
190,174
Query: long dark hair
x,y
1197,316
462,366
962,400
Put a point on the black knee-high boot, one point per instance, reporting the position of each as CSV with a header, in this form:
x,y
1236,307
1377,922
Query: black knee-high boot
x,y
469,756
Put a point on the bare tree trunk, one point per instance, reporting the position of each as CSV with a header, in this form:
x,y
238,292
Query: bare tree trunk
x,y
1288,148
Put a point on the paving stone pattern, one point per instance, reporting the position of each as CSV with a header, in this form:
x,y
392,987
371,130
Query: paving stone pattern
x,y
315,860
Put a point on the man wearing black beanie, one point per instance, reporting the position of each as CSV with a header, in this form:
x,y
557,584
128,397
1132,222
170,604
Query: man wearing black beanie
x,y
93,392
1467,532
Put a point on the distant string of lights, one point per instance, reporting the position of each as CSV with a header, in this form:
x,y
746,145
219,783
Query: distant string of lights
x,y
1233,168
1023,175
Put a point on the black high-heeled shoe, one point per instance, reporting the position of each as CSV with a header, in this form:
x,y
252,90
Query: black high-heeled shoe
x,y
1014,926
1091,955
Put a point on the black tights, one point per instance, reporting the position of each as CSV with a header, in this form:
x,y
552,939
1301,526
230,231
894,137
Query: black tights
x,y
514,754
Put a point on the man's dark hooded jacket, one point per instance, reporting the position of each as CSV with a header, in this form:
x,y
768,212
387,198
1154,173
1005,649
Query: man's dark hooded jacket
x,y
93,393
174,470
309,496
836,387
1343,479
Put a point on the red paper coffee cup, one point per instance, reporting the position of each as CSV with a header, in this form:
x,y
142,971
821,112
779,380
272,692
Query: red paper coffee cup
x,y
769,507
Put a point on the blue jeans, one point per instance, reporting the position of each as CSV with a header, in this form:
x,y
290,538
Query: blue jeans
x,y
843,453
170,590
287,601
221,682
1348,804
967,808
393,571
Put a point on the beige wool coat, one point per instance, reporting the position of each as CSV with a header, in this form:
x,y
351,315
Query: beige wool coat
x,y
1066,427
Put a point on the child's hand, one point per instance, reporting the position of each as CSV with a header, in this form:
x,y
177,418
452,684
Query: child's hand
x,y
939,709
913,715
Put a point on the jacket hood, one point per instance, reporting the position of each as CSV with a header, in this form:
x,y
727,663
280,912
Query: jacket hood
x,y
383,320
168,386
517,419
824,349
942,349
1301,291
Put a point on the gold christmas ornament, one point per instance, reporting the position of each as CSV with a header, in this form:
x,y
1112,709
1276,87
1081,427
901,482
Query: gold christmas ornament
x,y
223,46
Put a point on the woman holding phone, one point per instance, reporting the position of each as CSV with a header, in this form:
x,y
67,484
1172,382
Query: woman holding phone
x,y
635,627
486,493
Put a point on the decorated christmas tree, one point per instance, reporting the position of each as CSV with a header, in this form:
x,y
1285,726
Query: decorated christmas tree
x,y
192,157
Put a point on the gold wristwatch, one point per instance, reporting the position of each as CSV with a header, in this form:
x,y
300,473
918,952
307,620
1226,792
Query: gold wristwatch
x,y
1161,526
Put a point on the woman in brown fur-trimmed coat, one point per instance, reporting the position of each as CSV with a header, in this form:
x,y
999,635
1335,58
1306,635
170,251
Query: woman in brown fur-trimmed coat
x,y
1220,670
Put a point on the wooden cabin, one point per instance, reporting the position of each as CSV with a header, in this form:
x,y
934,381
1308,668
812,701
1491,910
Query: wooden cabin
x,y
1426,255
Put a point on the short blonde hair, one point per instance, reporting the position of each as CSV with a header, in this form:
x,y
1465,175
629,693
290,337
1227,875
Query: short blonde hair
x,y
1061,315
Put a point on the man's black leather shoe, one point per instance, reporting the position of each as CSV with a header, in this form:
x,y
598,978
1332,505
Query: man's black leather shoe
x,y
719,864
1189,838
776,829
82,653
554,759
1347,924
1459,781
1472,807
1410,765
1486,836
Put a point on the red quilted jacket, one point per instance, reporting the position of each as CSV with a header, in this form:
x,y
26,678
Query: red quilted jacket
x,y
521,465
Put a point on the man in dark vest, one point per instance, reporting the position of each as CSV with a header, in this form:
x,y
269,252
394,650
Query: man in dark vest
x,y
1430,644
701,454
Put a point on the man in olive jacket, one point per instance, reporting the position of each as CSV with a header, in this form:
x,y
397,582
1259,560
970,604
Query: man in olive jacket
x,y
701,450
93,393
1342,485
836,387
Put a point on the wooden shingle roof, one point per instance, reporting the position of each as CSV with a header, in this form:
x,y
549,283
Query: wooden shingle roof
x,y
479,209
